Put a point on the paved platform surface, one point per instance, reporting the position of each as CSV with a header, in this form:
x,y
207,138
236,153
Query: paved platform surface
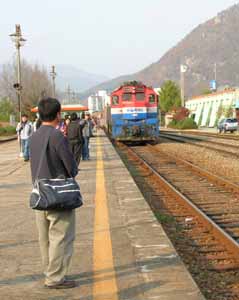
x,y
121,251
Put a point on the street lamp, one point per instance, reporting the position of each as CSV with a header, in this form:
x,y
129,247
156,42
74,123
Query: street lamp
x,y
53,76
19,41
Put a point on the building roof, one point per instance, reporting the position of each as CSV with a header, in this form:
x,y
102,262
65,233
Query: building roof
x,y
227,91
67,107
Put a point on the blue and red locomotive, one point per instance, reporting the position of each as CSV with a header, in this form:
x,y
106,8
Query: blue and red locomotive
x,y
133,114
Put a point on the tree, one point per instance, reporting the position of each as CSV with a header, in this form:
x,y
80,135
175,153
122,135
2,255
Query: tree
x,y
209,115
35,82
229,111
169,96
6,109
201,115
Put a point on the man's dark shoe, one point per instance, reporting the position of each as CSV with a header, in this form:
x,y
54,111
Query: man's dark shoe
x,y
67,284
26,159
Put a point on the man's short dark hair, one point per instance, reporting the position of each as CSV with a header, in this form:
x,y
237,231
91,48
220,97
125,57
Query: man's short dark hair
x,y
73,116
48,109
25,115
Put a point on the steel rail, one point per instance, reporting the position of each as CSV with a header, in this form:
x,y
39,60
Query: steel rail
x,y
201,139
185,139
230,186
206,134
8,139
229,243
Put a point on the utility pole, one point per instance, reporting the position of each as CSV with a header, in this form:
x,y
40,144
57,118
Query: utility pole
x,y
183,70
215,71
215,75
19,41
68,91
53,76
73,97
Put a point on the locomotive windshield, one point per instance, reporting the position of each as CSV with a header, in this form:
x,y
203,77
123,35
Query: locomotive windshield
x,y
127,97
140,96
152,98
115,100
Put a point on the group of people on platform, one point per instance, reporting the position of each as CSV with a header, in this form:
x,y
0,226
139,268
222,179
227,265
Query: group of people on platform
x,y
77,130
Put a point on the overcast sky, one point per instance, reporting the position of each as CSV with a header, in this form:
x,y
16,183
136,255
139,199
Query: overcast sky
x,y
109,37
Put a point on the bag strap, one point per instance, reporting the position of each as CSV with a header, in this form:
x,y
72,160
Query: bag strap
x,y
43,153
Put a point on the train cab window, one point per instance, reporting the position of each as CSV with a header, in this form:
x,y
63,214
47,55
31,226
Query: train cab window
x,y
140,96
152,98
127,97
115,100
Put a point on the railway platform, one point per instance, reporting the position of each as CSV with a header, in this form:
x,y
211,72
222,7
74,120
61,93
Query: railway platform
x,y
120,253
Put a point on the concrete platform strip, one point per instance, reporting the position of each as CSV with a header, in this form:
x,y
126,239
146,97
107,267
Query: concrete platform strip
x,y
105,287
120,253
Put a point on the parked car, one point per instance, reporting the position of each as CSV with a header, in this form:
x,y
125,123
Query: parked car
x,y
230,124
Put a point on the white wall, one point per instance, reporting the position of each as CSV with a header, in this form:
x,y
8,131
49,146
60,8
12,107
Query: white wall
x,y
195,105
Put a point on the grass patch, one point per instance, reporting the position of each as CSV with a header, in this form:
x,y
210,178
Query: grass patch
x,y
164,219
7,130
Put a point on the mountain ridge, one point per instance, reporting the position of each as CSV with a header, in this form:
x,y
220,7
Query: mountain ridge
x,y
214,41
79,80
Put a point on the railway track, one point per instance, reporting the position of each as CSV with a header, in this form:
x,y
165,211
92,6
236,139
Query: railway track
x,y
8,139
205,205
206,134
223,148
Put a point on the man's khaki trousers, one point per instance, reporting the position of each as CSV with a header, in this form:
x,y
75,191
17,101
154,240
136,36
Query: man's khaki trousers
x,y
56,236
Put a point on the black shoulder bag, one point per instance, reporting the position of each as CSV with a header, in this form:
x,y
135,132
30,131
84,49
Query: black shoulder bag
x,y
54,194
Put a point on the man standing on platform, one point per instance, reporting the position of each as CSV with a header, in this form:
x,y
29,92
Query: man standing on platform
x,y
74,135
56,228
24,130
87,127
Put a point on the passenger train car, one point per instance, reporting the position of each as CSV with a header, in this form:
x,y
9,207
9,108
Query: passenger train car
x,y
133,113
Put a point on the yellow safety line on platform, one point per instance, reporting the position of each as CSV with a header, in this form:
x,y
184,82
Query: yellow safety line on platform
x,y
105,286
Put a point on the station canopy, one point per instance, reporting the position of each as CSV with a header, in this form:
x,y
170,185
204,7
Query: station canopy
x,y
67,108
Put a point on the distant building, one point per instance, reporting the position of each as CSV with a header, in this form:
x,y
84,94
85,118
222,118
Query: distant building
x,y
207,110
157,90
97,102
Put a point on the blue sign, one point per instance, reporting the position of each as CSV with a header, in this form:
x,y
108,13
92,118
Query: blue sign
x,y
213,85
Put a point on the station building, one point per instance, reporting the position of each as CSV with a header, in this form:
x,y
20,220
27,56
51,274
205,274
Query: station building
x,y
208,109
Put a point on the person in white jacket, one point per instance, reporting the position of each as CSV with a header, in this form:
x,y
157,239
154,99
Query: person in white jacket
x,y
24,131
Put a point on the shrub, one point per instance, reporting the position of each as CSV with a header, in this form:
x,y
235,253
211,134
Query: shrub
x,y
8,130
173,124
187,123
181,113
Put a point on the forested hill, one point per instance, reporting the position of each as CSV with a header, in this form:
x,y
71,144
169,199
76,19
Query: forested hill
x,y
216,41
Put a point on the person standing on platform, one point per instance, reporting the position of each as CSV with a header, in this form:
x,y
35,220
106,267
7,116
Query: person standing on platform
x,y
62,127
56,228
36,124
74,135
87,127
24,130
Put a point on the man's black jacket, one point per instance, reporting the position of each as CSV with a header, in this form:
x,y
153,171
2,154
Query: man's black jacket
x,y
58,159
